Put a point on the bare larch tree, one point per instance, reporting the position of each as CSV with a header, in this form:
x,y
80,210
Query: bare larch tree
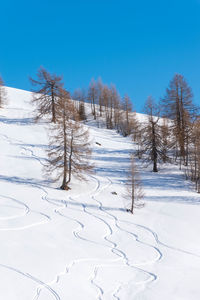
x,y
166,137
127,108
134,191
93,96
46,93
177,105
69,148
152,145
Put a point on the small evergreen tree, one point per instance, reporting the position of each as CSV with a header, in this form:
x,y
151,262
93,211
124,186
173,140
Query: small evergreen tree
x,y
79,97
82,114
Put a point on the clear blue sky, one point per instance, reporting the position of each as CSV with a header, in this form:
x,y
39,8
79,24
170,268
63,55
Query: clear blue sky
x,y
137,45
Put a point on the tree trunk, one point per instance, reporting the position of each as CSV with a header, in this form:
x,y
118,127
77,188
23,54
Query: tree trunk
x,y
70,160
155,169
64,184
53,106
133,196
94,110
154,148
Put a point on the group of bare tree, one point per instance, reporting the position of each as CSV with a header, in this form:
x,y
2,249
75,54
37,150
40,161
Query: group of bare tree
x,y
69,147
171,130
106,106
184,128
169,133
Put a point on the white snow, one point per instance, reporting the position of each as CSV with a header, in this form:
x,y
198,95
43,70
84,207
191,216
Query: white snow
x,y
82,244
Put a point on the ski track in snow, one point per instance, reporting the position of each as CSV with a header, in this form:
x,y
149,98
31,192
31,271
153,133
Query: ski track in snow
x,y
114,246
33,278
118,254
26,208
76,234
154,234
27,211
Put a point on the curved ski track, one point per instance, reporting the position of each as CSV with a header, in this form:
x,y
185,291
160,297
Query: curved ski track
x,y
121,256
33,278
27,211
114,247
120,253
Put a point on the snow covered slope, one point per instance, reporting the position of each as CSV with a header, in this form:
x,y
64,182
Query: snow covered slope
x,y
82,244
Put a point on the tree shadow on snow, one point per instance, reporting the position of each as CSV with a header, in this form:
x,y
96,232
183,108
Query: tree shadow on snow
x,y
174,199
18,121
25,181
86,205
42,146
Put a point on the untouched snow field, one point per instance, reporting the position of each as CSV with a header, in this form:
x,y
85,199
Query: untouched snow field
x,y
82,244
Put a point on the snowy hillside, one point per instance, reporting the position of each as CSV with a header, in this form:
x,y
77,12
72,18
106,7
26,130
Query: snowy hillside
x,y
82,244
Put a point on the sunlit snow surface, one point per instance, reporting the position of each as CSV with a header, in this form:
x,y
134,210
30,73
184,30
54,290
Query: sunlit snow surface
x,y
82,244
